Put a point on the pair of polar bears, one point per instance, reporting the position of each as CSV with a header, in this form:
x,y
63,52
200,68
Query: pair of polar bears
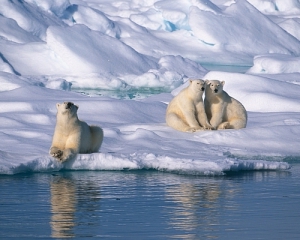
x,y
187,112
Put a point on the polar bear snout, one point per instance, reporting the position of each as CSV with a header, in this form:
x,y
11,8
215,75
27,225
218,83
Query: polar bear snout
x,y
68,104
216,90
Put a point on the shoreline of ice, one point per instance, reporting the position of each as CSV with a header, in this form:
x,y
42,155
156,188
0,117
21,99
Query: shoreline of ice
x,y
144,161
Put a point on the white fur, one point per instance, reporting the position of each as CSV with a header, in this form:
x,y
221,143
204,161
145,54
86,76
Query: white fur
x,y
223,111
186,110
72,136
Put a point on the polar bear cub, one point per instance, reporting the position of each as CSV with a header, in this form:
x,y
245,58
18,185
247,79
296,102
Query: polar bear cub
x,y
72,136
186,111
223,111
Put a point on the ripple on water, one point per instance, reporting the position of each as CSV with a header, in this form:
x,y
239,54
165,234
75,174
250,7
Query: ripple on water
x,y
147,204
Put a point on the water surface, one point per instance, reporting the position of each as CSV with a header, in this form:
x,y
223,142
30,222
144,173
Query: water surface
x,y
151,205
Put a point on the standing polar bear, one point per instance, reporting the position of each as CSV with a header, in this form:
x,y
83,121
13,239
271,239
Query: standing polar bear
x,y
186,110
223,111
72,136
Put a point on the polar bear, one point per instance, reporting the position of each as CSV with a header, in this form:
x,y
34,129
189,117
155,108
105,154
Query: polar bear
x,y
72,136
186,111
223,111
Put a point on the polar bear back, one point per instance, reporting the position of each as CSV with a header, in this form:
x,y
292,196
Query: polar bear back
x,y
96,138
87,138
233,108
180,102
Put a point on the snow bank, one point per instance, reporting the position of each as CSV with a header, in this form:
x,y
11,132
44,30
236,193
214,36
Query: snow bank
x,y
259,94
94,19
30,17
120,45
10,81
274,64
219,29
277,7
98,53
100,161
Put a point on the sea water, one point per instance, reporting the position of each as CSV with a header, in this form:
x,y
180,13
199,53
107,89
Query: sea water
x,y
148,204
131,93
144,92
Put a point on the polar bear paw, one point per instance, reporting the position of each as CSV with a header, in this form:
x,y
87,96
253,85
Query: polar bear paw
x,y
58,154
224,125
207,127
194,129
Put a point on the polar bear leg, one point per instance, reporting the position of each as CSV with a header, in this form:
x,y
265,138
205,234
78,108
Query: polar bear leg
x,y
174,121
224,125
72,147
97,138
68,154
217,117
237,123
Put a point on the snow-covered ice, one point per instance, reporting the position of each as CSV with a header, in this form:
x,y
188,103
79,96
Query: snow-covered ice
x,y
62,50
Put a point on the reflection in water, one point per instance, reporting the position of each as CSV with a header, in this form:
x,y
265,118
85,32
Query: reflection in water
x,y
200,206
261,176
197,210
73,205
193,208
63,206
150,205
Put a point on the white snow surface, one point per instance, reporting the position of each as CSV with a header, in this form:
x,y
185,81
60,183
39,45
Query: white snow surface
x,y
49,49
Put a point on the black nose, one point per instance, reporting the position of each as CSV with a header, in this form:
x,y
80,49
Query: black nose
x,y
202,89
69,104
216,90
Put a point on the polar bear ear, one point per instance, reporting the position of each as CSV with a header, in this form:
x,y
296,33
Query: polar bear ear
x,y
57,105
191,81
223,83
207,82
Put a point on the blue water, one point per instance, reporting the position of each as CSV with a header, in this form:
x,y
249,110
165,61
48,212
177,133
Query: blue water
x,y
131,93
150,205
144,92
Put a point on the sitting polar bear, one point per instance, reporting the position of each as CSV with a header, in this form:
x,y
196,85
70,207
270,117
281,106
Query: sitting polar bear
x,y
186,110
72,136
223,111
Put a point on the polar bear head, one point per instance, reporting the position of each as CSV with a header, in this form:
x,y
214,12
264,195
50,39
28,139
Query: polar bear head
x,y
66,109
215,86
197,85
